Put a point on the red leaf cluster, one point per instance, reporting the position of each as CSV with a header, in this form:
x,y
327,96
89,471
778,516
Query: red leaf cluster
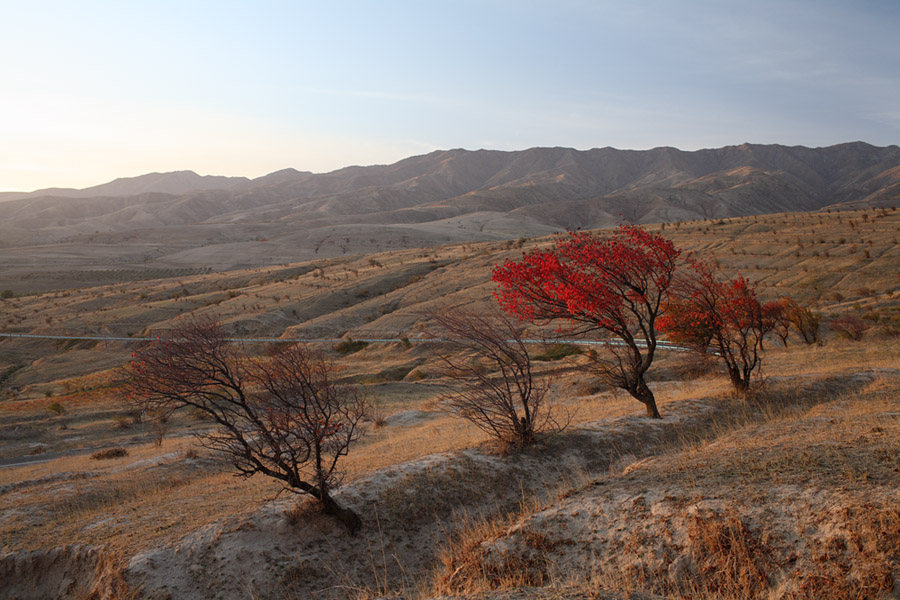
x,y
610,284
615,285
706,311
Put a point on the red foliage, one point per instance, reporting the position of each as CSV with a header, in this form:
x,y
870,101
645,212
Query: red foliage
x,y
705,311
616,285
849,326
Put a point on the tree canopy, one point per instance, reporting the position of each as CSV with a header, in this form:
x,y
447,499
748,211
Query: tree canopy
x,y
615,285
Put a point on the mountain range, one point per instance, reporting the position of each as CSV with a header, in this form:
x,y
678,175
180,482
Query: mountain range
x,y
182,220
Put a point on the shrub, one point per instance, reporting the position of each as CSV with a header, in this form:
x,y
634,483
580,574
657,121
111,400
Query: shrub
x,y
349,346
108,453
558,352
57,409
804,321
849,326
158,425
122,421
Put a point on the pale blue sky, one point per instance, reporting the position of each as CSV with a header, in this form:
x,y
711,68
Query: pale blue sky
x,y
90,91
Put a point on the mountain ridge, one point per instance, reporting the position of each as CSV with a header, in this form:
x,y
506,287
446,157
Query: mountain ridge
x,y
171,182
441,197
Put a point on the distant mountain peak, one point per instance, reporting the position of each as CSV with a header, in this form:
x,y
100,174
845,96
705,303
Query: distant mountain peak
x,y
172,182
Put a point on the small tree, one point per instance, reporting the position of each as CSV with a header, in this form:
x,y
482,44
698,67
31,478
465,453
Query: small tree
x,y
159,426
776,315
614,285
850,327
804,321
282,416
498,391
704,311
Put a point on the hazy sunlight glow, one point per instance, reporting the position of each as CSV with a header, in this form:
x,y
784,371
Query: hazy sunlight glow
x,y
96,91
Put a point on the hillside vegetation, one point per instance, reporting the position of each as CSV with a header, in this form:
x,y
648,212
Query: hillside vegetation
x,y
790,492
837,261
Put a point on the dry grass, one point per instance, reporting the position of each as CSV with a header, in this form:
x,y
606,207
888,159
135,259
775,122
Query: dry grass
x,y
802,504
841,262
834,435
155,495
145,505
109,453
130,503
731,561
466,567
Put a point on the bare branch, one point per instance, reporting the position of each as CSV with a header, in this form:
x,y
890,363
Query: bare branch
x,y
282,416
498,390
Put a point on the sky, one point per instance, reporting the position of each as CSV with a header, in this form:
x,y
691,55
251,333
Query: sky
x,y
91,91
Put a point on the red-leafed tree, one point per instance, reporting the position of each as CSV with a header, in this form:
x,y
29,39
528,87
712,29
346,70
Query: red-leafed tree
x,y
776,316
706,312
614,285
282,415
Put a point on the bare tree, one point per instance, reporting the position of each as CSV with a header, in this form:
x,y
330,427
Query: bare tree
x,y
776,313
804,320
498,390
282,415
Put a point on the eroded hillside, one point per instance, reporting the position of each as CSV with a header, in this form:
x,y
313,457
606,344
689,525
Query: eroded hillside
x,y
837,261
147,227
791,490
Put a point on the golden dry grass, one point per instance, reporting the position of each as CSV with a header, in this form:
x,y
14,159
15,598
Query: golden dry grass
x,y
803,501
133,505
840,262
145,505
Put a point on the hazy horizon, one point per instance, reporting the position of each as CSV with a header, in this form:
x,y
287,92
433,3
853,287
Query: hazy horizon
x,y
99,91
238,175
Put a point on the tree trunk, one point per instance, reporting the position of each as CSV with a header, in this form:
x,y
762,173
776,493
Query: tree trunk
x,y
652,411
741,384
346,516
643,395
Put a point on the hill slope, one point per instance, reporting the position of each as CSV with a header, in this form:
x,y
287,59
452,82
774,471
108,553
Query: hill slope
x,y
443,197
838,261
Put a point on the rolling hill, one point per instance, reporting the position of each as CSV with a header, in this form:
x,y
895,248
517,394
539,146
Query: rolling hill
x,y
92,503
839,261
154,222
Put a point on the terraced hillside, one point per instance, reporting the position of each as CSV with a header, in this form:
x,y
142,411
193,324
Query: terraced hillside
x,y
790,493
837,261
166,223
